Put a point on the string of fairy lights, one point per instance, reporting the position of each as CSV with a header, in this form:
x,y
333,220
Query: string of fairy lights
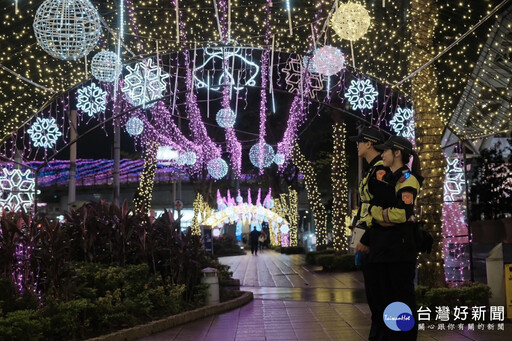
x,y
142,198
382,53
29,77
339,187
314,197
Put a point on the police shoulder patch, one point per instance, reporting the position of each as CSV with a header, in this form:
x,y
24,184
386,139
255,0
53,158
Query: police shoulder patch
x,y
407,198
380,174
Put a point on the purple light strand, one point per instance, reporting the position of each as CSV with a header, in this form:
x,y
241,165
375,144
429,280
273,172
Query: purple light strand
x,y
223,7
135,28
233,146
264,80
297,112
209,150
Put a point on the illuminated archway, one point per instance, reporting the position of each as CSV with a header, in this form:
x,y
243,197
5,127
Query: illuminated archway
x,y
250,215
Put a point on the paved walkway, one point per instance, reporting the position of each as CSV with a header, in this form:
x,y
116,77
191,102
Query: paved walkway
x,y
294,301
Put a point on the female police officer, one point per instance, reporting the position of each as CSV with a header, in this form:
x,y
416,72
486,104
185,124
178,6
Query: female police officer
x,y
391,238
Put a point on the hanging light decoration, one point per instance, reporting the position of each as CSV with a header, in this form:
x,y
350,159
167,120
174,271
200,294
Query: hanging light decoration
x,y
106,66
44,132
328,60
187,159
226,118
350,21
91,99
217,168
145,83
267,153
134,126
307,62
190,158
67,29
361,94
279,158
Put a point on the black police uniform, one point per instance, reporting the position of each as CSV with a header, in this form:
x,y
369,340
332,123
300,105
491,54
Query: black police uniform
x,y
392,247
369,188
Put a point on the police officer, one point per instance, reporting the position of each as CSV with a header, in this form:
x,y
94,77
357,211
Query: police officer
x,y
392,244
368,187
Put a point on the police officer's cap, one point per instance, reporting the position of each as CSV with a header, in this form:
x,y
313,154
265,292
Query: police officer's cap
x,y
368,135
396,142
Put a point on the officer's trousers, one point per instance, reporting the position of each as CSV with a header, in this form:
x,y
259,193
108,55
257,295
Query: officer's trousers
x,y
393,282
371,289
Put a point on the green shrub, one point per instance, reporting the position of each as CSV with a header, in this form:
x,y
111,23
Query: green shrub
x,y
466,295
226,245
311,257
23,325
332,262
68,320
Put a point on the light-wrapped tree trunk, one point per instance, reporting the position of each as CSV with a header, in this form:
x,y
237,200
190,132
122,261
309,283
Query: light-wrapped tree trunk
x,y
429,130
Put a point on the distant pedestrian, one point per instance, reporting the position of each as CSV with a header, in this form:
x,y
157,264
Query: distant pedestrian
x,y
261,240
253,237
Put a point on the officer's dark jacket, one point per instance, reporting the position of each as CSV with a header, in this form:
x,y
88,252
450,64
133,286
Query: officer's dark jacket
x,y
370,184
394,243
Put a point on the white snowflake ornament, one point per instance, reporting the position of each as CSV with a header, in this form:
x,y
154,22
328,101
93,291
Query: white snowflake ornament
x,y
17,189
144,84
361,94
92,99
44,132
403,123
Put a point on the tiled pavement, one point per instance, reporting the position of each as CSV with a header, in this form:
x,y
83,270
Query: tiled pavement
x,y
294,301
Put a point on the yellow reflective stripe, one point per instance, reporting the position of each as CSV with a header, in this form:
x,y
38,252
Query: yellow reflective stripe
x,y
396,215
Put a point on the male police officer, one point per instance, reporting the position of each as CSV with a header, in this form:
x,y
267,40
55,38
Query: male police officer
x,y
369,189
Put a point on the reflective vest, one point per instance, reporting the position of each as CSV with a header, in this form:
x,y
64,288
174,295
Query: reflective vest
x,y
367,189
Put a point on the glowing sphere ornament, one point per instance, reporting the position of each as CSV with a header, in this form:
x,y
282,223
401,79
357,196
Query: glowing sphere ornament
x,y
144,84
226,118
190,158
361,94
350,21
134,126
92,99
44,132
217,168
279,158
187,159
263,159
328,60
67,29
106,66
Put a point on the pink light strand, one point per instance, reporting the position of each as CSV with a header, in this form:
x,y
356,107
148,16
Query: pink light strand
x,y
264,80
233,146
209,150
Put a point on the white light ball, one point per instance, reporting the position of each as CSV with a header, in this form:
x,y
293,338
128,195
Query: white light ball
x,y
267,155
217,168
67,29
279,159
225,118
350,21
106,66
328,60
134,126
